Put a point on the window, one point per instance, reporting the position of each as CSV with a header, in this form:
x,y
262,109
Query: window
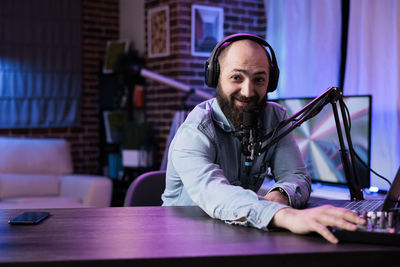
x,y
40,63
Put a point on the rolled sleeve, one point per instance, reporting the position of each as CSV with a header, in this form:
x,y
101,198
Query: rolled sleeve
x,y
259,217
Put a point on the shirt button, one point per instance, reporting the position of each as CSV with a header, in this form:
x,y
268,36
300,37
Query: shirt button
x,y
235,214
258,221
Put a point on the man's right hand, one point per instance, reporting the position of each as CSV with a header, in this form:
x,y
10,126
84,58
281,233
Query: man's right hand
x,y
316,220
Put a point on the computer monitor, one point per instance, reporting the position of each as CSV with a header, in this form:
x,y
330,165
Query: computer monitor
x,y
319,144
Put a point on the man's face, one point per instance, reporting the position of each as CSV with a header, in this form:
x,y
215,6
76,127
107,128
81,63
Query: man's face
x,y
243,80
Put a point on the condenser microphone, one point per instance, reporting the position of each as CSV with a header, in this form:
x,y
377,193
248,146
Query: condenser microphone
x,y
249,136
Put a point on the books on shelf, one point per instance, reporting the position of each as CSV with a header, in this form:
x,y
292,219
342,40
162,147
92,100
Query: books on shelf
x,y
113,123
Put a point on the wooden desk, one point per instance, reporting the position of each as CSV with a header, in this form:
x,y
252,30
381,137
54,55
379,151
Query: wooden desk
x,y
173,236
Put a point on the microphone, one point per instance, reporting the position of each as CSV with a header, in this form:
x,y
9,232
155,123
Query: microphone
x,y
249,136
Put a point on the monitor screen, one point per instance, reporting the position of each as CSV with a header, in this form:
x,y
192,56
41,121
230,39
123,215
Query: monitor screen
x,y
318,140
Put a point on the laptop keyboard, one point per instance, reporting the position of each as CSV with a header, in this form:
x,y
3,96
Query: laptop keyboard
x,y
364,205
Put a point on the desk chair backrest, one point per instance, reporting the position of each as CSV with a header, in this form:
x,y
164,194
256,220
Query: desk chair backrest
x,y
146,190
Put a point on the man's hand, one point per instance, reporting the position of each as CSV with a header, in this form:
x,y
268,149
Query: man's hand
x,y
277,196
316,220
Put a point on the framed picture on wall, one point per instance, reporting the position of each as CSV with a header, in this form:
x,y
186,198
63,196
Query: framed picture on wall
x,y
114,49
158,32
207,29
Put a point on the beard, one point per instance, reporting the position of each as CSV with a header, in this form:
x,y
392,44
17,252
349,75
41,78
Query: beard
x,y
235,113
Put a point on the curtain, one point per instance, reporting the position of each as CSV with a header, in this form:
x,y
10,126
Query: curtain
x,y
40,63
373,67
306,37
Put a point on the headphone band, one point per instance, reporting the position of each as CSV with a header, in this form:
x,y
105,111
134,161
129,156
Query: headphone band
x,y
212,65
241,36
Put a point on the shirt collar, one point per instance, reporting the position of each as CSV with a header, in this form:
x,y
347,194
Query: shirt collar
x,y
219,117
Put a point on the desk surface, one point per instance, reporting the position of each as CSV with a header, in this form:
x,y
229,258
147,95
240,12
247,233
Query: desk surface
x,y
167,235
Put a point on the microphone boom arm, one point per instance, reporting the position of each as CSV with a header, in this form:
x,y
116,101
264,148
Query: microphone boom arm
x,y
331,95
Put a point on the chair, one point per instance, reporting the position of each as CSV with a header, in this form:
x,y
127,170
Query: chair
x,y
146,190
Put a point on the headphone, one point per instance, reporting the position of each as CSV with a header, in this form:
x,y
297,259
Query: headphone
x,y
212,66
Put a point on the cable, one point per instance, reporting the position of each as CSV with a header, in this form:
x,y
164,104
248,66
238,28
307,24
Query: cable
x,y
316,106
348,115
365,165
348,118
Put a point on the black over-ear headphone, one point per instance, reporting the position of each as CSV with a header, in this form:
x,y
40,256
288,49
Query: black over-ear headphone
x,y
212,66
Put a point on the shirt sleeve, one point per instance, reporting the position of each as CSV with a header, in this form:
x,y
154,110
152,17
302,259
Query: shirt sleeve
x,y
290,172
192,156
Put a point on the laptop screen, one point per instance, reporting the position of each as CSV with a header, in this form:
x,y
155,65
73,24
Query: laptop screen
x,y
319,144
392,196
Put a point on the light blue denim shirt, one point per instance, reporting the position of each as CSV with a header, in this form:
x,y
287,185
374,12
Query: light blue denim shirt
x,y
205,168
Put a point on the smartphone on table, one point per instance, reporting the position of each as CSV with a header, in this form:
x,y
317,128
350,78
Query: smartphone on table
x,y
30,217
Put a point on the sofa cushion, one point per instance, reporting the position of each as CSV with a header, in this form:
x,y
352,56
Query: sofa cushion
x,y
41,203
35,156
94,190
28,185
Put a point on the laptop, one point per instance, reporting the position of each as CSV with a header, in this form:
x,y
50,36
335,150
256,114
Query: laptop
x,y
390,202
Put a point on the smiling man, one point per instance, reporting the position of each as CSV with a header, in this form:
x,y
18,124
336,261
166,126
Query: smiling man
x,y
243,79
205,161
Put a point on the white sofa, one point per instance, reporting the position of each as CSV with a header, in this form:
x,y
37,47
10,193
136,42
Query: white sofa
x,y
38,173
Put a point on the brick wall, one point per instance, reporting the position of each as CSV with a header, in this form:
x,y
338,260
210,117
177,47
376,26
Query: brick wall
x,y
100,23
162,101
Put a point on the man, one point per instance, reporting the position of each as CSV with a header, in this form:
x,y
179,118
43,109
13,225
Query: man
x,y
205,163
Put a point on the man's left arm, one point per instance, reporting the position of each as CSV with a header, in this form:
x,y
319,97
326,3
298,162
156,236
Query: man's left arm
x,y
279,195
293,184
